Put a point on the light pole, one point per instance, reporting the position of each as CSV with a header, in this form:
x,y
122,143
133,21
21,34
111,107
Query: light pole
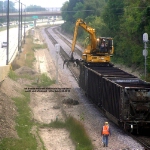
x,y
7,52
24,20
19,28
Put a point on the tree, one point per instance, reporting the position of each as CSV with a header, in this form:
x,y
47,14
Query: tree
x,y
78,14
112,14
64,12
130,47
93,8
3,6
72,9
33,8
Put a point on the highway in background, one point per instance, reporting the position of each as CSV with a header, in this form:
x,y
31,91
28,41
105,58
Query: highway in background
x,y
13,43
13,40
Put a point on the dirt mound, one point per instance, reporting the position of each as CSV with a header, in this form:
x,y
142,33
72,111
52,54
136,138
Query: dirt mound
x,y
70,101
7,117
25,70
11,88
8,89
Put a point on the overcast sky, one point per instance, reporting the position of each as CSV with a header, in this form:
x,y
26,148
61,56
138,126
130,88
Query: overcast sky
x,y
44,3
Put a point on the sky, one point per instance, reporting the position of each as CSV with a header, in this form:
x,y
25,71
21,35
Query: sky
x,y
44,3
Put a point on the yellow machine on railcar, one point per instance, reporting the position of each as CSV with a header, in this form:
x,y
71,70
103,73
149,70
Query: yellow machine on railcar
x,y
99,50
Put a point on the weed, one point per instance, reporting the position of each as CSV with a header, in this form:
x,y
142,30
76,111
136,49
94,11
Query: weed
x,y
12,75
76,130
43,81
39,46
24,124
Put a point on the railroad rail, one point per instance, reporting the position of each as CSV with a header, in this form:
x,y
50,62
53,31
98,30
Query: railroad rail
x,y
144,140
64,55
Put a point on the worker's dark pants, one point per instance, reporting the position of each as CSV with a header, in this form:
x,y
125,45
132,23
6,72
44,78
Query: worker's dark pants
x,y
105,140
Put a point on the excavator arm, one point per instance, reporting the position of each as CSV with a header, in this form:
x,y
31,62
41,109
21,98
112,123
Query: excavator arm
x,y
88,29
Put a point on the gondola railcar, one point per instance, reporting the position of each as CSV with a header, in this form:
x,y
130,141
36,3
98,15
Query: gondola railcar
x,y
123,97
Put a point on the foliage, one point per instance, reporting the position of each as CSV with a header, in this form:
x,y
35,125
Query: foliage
x,y
12,75
3,7
12,9
44,81
76,130
125,21
39,46
79,6
33,8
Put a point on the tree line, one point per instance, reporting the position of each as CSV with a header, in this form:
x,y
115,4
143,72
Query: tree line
x,y
125,21
13,9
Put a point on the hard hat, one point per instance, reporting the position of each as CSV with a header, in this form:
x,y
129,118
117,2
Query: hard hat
x,y
106,123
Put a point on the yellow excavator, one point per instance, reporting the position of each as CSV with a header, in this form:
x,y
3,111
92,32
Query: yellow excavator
x,y
98,51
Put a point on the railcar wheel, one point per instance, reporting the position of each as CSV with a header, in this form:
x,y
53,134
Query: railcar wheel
x,y
125,126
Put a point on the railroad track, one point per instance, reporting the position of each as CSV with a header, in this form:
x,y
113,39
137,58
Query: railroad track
x,y
143,140
74,70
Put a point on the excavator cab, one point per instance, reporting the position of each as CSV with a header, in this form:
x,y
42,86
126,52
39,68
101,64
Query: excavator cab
x,y
105,45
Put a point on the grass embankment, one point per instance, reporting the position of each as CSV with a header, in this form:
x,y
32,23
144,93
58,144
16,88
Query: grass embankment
x,y
76,130
24,122
23,126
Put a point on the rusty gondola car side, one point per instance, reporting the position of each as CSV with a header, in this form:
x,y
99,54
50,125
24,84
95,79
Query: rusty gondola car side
x,y
123,97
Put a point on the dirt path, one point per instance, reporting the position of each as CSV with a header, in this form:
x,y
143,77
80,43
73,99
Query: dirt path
x,y
46,107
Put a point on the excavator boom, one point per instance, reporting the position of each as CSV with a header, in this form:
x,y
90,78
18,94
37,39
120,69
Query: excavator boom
x,y
88,29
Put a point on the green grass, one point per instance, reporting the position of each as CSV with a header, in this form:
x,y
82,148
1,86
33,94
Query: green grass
x,y
39,46
77,132
43,81
26,140
30,58
12,75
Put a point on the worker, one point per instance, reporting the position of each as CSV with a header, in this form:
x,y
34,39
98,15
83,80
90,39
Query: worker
x,y
105,134
102,46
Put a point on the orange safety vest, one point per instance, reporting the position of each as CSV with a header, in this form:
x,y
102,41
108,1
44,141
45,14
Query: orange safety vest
x,y
105,130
